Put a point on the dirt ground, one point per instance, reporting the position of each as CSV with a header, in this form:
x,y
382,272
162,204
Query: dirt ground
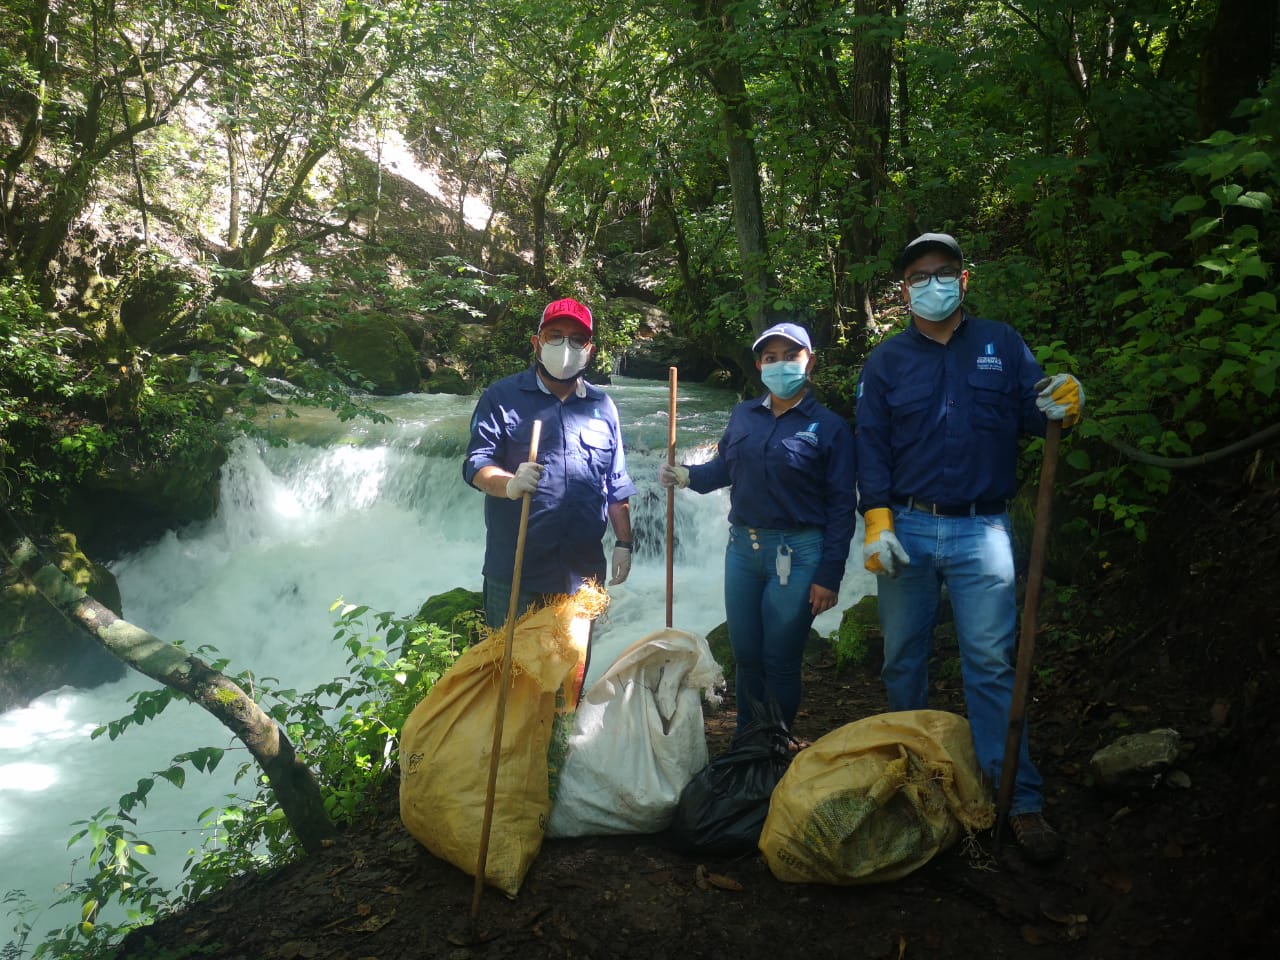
x,y
1182,636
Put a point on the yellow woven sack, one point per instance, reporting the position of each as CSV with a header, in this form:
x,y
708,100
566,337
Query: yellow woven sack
x,y
876,799
447,742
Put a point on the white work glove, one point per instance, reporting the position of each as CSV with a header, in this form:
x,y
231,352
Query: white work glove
x,y
525,480
621,564
1061,397
882,554
673,476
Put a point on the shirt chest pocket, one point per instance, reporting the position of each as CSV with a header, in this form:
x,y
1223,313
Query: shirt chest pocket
x,y
908,402
799,455
597,450
992,408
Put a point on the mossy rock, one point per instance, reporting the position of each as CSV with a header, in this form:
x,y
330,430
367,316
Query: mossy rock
x,y
447,380
40,650
157,302
457,610
131,502
378,352
257,338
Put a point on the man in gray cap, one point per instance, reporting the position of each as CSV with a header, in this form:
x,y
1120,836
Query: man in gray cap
x,y
941,406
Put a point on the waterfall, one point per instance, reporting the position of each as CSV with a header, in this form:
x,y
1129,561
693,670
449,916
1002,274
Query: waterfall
x,y
377,514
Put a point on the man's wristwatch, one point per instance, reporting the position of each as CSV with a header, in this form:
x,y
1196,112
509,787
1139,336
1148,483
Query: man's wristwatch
x,y
626,544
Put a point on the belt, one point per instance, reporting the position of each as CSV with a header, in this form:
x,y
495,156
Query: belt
x,y
974,509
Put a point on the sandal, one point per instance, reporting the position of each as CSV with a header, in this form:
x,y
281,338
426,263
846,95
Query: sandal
x,y
1038,841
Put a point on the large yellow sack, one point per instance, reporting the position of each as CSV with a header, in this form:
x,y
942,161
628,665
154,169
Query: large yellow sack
x,y
876,799
447,742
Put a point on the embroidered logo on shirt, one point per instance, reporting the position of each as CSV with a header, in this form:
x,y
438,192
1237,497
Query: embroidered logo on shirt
x,y
988,360
809,434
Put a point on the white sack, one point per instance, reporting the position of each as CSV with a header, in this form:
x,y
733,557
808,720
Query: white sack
x,y
637,739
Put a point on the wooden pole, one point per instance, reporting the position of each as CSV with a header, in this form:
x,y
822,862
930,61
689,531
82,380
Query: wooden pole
x,y
1027,638
673,377
487,824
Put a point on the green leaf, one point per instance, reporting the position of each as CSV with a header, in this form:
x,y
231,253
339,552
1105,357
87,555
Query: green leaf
x,y
1264,299
1210,291
1253,200
1187,373
1188,204
1079,459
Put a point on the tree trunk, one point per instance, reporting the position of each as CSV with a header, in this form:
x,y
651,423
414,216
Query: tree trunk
x,y
294,785
719,34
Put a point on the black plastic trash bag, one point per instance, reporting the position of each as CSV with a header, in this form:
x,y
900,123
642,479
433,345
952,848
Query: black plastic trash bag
x,y
723,808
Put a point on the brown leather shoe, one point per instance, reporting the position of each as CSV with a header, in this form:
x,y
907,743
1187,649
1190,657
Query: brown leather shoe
x,y
1038,841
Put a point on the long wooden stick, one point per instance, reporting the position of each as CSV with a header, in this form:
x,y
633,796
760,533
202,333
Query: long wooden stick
x,y
1027,638
673,377
487,824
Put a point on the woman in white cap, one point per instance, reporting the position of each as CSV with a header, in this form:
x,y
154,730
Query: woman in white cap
x,y
789,463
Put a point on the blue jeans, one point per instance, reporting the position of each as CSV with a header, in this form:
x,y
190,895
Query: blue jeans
x,y
497,602
973,556
768,622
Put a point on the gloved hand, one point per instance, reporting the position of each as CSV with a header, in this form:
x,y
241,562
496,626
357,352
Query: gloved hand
x,y
673,476
1061,397
882,554
525,480
621,564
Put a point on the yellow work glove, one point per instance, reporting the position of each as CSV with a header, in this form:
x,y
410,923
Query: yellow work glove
x,y
882,554
1061,397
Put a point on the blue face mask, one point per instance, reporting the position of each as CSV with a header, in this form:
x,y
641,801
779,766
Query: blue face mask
x,y
937,301
784,378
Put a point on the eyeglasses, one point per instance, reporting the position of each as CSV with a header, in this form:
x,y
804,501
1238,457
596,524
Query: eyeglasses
x,y
946,275
553,338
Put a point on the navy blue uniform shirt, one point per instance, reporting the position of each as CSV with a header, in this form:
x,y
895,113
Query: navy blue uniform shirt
x,y
940,422
585,471
788,472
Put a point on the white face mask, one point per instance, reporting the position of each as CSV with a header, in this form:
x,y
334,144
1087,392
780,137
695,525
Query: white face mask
x,y
564,361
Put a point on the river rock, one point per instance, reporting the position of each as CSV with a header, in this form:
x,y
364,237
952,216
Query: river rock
x,y
1136,761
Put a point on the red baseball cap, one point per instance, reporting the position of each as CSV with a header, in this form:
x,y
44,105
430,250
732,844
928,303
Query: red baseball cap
x,y
568,309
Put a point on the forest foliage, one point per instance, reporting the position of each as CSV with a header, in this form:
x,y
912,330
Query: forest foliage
x,y
204,191
204,204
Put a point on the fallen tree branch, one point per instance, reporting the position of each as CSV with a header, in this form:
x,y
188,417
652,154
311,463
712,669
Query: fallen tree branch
x,y
293,783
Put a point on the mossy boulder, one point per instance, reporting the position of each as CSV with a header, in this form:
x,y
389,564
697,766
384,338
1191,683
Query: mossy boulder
x,y
259,339
377,351
447,380
40,650
458,610
158,301
130,502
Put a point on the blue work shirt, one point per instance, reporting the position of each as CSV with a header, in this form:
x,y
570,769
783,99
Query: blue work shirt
x,y
585,470
788,472
940,422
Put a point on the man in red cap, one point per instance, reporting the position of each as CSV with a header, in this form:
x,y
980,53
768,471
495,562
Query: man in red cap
x,y
579,483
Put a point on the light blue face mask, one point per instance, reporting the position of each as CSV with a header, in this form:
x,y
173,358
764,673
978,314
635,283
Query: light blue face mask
x,y
784,378
937,301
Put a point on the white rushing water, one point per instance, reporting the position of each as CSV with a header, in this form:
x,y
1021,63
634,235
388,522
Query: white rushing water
x,y
377,514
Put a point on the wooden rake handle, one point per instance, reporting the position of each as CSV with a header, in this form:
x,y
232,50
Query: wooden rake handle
x,y
672,377
486,825
1027,638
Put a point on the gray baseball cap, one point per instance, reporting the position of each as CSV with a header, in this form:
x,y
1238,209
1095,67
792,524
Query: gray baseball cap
x,y
922,244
